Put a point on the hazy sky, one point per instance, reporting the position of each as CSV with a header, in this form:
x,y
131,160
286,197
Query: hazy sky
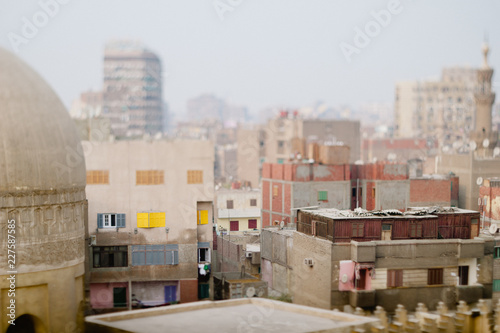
x,y
264,52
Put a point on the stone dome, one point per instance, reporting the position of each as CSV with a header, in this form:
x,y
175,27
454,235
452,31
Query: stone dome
x,y
39,146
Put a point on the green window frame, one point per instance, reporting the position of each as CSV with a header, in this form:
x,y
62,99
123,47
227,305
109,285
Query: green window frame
x,y
496,254
322,195
496,285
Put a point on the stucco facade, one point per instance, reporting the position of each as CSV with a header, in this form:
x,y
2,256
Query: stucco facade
x,y
161,193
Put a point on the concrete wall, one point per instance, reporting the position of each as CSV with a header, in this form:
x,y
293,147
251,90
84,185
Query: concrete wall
x,y
312,285
306,194
468,169
243,224
248,156
276,256
392,194
241,198
152,292
179,200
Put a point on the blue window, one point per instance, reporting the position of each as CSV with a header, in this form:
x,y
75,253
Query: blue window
x,y
167,254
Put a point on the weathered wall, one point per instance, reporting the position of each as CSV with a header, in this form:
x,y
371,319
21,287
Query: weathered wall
x,y
430,192
312,285
306,194
392,195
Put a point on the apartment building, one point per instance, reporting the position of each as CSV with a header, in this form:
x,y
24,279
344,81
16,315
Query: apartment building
x,y
238,211
132,91
150,222
288,134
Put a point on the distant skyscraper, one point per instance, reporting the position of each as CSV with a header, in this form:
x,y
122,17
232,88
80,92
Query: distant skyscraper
x,y
132,96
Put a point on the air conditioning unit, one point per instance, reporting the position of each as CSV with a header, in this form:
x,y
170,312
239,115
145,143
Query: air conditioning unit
x,y
248,254
308,262
93,240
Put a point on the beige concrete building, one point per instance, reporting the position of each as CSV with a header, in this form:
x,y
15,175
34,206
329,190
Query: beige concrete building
x,y
287,135
250,154
318,272
443,109
43,208
150,222
238,211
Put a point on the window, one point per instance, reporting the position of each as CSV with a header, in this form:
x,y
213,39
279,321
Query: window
x,y
415,230
373,192
109,256
497,252
167,254
234,226
195,177
203,255
357,229
110,220
434,276
229,204
496,285
275,191
149,177
463,275
97,177
394,278
202,216
281,147
253,202
252,224
150,220
322,195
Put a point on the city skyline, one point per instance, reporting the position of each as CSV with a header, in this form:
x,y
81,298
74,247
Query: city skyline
x,y
255,54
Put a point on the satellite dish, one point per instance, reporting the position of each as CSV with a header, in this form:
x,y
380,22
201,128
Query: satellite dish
x,y
486,143
250,292
282,224
479,181
472,145
344,276
493,228
456,145
496,151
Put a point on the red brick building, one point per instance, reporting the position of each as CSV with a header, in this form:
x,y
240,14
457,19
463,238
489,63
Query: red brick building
x,y
381,185
293,185
286,187
434,190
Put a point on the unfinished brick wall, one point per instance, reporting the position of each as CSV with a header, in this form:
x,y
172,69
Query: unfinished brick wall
x,y
431,192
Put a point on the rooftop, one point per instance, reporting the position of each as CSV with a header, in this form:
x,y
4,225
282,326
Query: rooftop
x,y
412,212
247,314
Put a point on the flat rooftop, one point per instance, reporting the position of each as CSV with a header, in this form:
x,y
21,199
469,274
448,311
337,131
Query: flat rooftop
x,y
412,212
239,315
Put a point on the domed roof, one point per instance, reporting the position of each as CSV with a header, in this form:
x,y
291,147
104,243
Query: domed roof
x,y
39,145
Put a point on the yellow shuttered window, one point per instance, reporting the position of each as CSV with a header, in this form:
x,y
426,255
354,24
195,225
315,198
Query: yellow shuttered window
x,y
156,220
142,220
202,217
150,220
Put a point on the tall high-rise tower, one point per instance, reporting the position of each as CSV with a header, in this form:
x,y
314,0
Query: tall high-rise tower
x,y
483,135
132,96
